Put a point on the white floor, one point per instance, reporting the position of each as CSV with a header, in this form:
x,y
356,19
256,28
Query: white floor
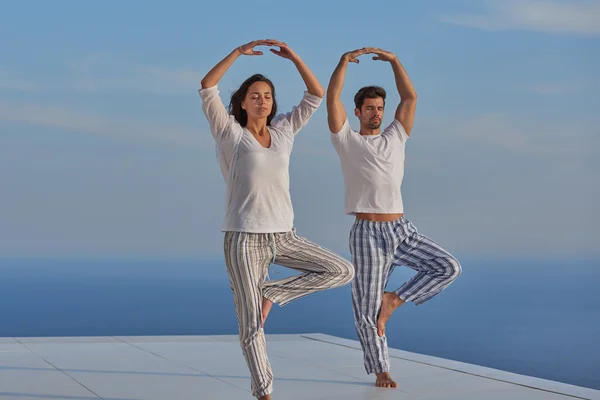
x,y
308,366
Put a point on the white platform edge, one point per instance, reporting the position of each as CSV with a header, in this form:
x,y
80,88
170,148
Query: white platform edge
x,y
471,369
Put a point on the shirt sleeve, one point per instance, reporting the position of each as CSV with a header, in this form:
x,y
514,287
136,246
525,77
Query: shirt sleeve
x,y
396,128
223,126
300,114
340,138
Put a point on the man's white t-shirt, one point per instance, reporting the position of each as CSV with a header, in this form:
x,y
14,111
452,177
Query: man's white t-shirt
x,y
257,178
373,169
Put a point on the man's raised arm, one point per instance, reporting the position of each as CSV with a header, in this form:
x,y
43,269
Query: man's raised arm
x,y
336,114
405,113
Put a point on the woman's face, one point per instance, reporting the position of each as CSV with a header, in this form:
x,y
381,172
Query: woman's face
x,y
258,102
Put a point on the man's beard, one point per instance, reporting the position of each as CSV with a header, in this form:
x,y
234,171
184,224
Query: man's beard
x,y
374,125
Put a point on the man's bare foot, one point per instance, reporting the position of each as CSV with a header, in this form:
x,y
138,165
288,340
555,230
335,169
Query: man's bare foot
x,y
265,397
266,308
384,380
390,302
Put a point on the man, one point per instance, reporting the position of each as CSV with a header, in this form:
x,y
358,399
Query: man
x,y
381,237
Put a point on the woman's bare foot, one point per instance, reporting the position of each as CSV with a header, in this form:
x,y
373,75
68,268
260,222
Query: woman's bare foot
x,y
390,302
265,397
384,380
266,308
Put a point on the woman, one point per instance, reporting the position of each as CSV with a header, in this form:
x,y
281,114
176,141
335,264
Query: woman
x,y
254,144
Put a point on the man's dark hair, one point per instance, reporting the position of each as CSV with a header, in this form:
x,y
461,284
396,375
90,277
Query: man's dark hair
x,y
235,105
371,92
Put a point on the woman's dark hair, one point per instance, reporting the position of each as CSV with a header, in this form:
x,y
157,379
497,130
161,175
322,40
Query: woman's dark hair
x,y
235,105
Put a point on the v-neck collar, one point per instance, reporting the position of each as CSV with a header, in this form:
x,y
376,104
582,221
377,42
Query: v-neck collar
x,y
256,140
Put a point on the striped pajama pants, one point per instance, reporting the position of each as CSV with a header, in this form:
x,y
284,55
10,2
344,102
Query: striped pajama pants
x,y
377,248
247,256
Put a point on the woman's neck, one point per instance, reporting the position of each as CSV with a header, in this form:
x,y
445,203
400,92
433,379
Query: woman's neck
x,y
257,126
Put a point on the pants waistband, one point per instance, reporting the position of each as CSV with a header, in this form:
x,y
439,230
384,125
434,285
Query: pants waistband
x,y
366,222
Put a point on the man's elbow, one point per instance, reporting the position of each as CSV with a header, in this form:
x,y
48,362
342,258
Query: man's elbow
x,y
412,96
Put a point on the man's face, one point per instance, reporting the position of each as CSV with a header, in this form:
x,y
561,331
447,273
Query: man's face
x,y
371,113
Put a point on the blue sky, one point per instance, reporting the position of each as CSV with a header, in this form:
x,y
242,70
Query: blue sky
x,y
104,150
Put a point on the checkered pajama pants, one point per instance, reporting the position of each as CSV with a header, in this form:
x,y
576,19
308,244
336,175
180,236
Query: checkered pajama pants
x,y
377,248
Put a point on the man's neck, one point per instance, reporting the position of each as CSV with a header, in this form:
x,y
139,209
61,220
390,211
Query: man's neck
x,y
364,131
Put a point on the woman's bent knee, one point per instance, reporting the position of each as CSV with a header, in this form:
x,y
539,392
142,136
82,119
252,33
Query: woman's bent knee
x,y
455,268
347,272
